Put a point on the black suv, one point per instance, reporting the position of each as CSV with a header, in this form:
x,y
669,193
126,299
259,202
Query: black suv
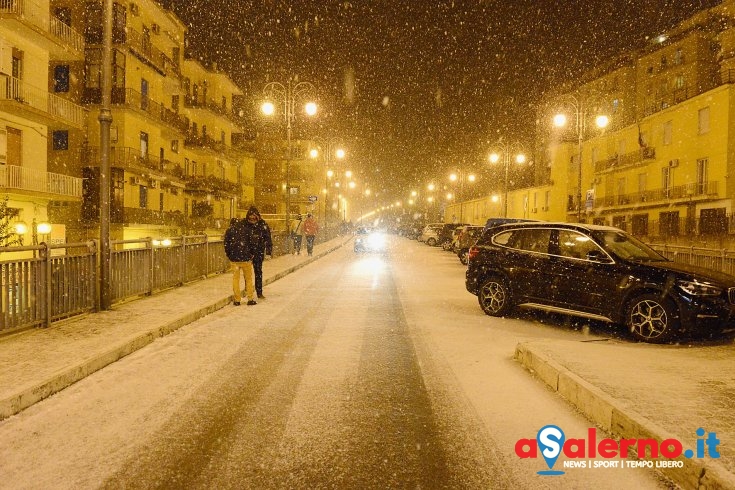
x,y
598,272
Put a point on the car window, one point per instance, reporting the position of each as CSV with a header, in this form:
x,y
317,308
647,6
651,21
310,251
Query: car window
x,y
576,245
532,239
627,246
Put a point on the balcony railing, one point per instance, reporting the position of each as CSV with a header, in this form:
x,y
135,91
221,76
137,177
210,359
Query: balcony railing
x,y
120,157
50,105
27,12
694,191
26,179
631,158
135,100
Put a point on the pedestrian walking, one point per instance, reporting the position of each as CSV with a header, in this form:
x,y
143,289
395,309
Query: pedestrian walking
x,y
263,246
239,248
311,228
296,235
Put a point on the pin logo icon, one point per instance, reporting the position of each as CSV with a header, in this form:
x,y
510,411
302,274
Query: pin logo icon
x,y
550,440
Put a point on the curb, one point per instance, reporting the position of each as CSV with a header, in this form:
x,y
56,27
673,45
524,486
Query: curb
x,y
620,421
30,395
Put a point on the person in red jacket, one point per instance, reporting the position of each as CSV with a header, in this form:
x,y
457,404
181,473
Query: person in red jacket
x,y
311,228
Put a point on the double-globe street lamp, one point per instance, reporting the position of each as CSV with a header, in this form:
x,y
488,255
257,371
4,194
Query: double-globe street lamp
x,y
290,96
583,110
506,151
331,151
460,177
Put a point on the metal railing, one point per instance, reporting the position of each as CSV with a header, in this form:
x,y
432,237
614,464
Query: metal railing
x,y
44,283
29,12
721,260
16,177
15,89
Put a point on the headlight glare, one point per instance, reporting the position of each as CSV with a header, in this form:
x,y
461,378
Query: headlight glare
x,y
696,288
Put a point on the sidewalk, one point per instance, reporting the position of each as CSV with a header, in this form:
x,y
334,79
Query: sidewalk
x,y
642,391
629,390
35,364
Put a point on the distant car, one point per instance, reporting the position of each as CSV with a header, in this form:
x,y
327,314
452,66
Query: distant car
x,y
430,234
597,272
467,237
450,244
367,240
445,234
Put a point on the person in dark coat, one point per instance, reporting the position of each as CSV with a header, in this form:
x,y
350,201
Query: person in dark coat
x,y
240,250
263,246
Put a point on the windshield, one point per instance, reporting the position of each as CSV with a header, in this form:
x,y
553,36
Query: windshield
x,y
627,247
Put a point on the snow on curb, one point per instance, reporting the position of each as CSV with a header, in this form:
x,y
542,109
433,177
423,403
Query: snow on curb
x,y
617,419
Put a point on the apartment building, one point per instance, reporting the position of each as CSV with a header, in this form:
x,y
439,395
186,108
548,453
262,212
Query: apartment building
x,y
34,112
662,167
179,163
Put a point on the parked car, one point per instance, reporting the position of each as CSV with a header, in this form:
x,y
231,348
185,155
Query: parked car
x,y
467,237
445,234
493,222
598,272
367,240
452,242
430,233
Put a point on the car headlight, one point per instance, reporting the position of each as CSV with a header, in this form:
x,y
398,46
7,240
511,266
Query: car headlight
x,y
376,240
696,288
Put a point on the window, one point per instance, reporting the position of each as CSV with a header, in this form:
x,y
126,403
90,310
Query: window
x,y
143,145
576,245
175,146
679,82
666,180
14,146
703,120
61,78
668,132
669,223
60,140
642,184
678,57
175,103
702,165
143,196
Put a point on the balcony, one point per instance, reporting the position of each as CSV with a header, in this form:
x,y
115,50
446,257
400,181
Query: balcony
x,y
35,182
694,192
39,26
209,144
219,109
39,105
122,157
219,188
631,158
153,217
135,100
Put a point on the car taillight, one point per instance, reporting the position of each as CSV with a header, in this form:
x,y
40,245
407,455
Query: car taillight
x,y
473,252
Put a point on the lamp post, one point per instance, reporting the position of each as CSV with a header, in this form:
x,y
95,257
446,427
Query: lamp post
x,y
460,177
582,110
331,150
506,153
289,95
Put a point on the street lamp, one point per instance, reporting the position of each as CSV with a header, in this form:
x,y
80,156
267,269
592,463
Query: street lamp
x,y
583,110
461,177
331,150
290,96
506,153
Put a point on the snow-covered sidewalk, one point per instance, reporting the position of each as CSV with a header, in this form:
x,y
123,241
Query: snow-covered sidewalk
x,y
35,364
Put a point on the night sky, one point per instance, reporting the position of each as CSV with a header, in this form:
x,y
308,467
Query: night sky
x,y
418,87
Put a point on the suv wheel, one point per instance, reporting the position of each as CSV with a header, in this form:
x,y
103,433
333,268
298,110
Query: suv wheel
x,y
463,256
494,297
651,318
431,241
